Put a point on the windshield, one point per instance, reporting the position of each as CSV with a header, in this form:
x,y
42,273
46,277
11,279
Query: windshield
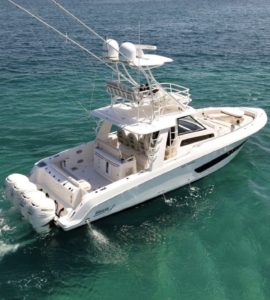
x,y
187,125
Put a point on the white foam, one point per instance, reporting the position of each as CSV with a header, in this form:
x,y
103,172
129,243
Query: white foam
x,y
170,201
5,228
97,235
7,248
104,251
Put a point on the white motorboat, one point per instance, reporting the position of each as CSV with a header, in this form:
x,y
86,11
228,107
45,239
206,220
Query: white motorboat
x,y
149,141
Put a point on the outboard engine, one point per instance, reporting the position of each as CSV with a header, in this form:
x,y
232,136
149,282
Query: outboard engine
x,y
15,184
38,209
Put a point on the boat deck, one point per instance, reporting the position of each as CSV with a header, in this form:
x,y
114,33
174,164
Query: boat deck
x,y
88,174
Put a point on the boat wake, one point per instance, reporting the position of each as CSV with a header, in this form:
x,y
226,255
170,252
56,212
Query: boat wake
x,y
96,235
7,249
169,201
103,251
8,229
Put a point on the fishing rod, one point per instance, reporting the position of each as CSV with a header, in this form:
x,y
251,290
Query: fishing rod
x,y
66,37
79,21
101,38
150,80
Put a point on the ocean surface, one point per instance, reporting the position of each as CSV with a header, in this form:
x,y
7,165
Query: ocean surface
x,y
207,241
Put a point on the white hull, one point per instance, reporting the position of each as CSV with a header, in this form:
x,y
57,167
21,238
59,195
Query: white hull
x,y
83,194
134,192
150,142
94,196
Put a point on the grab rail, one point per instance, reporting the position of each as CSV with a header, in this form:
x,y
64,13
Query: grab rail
x,y
177,90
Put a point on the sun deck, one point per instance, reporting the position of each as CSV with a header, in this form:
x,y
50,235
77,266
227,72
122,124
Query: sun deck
x,y
225,119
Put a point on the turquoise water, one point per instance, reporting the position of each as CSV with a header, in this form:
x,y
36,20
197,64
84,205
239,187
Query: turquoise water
x,y
209,240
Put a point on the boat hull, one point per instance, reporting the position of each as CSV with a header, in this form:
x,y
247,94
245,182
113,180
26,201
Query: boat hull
x,y
109,197
156,186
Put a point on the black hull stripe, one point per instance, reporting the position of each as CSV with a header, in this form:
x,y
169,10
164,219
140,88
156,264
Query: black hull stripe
x,y
218,159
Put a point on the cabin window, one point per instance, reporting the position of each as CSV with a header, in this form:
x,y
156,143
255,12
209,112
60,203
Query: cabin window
x,y
196,139
171,136
154,138
188,125
114,128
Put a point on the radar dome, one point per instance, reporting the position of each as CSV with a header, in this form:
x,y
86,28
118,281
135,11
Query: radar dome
x,y
128,52
111,49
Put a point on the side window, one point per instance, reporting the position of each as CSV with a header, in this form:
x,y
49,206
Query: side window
x,y
154,138
196,139
114,128
171,136
188,125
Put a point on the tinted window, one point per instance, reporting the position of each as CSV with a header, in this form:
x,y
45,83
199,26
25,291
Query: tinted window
x,y
196,139
171,136
188,125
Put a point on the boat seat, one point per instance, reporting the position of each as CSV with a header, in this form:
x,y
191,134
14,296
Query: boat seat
x,y
85,185
143,143
170,152
133,141
122,137
142,162
109,148
235,112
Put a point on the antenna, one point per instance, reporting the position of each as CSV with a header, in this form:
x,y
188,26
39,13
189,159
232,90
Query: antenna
x,y
95,33
139,44
149,77
66,37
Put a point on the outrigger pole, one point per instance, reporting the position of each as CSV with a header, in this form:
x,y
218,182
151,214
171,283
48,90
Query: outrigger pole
x,y
66,37
127,77
131,80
